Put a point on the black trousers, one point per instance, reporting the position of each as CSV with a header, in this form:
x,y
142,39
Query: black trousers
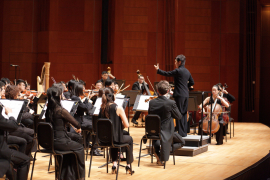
x,y
137,115
181,125
21,163
28,135
126,140
178,142
21,142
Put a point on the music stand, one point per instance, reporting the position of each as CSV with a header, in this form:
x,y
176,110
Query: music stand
x,y
192,106
41,102
131,94
120,82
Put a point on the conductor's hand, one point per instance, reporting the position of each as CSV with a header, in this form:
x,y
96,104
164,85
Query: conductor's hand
x,y
8,110
156,66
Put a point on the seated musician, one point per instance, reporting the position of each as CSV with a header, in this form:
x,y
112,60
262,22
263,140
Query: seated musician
x,y
2,86
70,87
12,92
6,81
105,76
116,86
167,111
138,85
230,98
109,83
20,160
117,115
98,86
207,102
27,116
84,107
59,117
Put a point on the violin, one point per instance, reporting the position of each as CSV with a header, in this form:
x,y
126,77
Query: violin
x,y
150,98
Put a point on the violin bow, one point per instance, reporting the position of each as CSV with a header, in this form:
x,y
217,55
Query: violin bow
x,y
123,89
151,85
53,80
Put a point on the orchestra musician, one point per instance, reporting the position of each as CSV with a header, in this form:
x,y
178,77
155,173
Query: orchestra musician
x,y
59,117
207,102
6,81
64,85
105,76
21,162
138,85
118,117
70,87
183,80
167,111
84,106
12,92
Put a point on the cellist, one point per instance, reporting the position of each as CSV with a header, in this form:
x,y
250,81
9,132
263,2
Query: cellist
x,y
221,102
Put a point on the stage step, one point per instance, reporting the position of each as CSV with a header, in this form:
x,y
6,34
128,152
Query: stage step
x,y
191,151
194,140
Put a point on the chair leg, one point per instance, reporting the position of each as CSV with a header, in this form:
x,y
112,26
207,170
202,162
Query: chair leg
x,y
173,156
107,158
140,153
50,162
33,165
164,164
90,160
152,151
118,165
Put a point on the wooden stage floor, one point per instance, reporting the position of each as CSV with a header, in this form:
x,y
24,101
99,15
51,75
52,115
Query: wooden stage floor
x,y
250,144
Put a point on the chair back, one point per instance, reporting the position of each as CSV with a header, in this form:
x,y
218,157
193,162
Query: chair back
x,y
152,125
104,130
45,135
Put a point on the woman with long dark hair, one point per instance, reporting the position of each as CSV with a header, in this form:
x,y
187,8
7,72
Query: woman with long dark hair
x,y
117,115
59,117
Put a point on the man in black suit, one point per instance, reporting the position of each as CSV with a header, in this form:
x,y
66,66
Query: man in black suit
x,y
167,111
182,81
138,86
21,161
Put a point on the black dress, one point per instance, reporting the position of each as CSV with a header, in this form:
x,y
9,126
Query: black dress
x,y
62,142
119,138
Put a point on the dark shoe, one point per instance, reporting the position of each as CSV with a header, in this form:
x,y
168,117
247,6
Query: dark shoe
x,y
96,153
227,132
218,144
129,170
143,120
113,170
158,160
134,121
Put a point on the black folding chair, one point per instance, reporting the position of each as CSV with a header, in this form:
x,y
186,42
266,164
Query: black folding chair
x,y
152,132
45,138
104,135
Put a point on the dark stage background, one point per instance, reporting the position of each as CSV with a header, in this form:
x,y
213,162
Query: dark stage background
x,y
213,34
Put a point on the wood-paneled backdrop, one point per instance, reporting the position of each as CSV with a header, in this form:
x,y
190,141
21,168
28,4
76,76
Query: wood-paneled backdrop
x,y
67,34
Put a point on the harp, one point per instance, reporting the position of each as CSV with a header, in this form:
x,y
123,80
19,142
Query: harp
x,y
44,79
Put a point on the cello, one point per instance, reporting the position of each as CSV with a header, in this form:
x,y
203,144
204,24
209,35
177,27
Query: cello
x,y
215,112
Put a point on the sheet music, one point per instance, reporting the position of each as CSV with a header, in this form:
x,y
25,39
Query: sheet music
x,y
66,104
15,105
142,105
119,96
119,102
98,105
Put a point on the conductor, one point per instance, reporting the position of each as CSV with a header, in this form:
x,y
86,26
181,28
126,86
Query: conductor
x,y
182,80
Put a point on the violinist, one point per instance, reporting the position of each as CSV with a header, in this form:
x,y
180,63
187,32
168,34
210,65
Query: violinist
x,y
12,92
6,81
84,107
109,83
2,86
98,86
207,102
138,85
116,86
28,87
71,87
183,80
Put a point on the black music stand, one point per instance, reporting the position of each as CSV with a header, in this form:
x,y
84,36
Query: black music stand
x,y
192,106
120,82
131,94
